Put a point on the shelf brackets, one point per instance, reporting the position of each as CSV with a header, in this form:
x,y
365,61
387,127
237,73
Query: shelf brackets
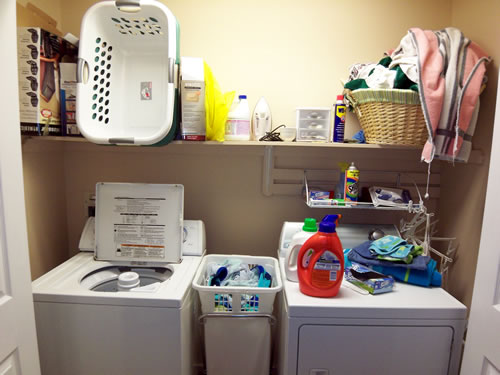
x,y
267,170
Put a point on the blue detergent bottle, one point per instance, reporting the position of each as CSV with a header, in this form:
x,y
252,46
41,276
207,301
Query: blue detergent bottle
x,y
428,277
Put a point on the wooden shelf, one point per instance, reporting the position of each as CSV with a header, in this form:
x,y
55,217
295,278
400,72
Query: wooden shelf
x,y
237,143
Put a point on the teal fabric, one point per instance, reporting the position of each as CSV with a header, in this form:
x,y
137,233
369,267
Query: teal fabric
x,y
389,245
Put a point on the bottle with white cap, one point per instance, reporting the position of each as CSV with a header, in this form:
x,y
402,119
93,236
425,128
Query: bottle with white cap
x,y
238,121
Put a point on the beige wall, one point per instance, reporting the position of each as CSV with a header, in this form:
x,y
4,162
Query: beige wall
x,y
464,186
294,54
45,192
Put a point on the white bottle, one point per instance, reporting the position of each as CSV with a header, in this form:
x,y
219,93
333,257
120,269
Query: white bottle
x,y
308,229
261,119
238,121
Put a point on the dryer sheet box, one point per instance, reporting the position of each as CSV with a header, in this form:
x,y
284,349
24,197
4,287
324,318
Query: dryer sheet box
x,y
39,53
193,125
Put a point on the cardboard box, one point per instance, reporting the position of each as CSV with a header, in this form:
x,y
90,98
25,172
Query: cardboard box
x,y
68,99
193,126
368,279
39,54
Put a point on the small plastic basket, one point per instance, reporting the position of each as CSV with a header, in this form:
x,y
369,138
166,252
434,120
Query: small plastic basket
x,y
389,116
127,73
237,300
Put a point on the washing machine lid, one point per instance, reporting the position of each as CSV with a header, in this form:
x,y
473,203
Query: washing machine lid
x,y
139,223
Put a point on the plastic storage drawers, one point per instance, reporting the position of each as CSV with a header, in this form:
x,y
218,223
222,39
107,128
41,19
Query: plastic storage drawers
x,y
313,124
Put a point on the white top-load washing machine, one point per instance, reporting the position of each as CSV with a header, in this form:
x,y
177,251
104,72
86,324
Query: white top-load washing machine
x,y
412,330
128,307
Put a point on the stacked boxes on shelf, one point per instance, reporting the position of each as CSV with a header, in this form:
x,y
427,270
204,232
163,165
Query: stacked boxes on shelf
x,y
39,56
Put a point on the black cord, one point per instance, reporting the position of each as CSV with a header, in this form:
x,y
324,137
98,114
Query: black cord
x,y
273,135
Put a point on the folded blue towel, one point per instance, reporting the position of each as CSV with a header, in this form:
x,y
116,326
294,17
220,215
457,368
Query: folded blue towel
x,y
394,246
362,254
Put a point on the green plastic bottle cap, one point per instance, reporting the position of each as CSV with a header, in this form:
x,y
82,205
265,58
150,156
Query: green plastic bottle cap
x,y
310,225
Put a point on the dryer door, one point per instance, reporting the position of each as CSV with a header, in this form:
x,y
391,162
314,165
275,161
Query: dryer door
x,y
361,350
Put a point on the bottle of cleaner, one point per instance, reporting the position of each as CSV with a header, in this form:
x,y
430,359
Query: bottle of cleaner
x,y
238,121
320,264
351,184
261,119
340,187
339,120
308,229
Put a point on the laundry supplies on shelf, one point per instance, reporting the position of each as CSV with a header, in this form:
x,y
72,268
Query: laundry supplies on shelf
x,y
238,121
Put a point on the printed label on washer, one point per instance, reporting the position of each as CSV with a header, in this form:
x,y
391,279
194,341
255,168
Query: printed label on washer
x,y
138,228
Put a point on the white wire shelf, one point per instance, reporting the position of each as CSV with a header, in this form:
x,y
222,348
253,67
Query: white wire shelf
x,y
332,203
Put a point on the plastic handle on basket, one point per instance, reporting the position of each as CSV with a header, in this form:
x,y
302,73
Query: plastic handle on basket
x,y
128,6
171,70
82,71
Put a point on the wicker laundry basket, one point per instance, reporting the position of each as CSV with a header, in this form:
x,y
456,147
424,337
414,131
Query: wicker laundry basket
x,y
389,116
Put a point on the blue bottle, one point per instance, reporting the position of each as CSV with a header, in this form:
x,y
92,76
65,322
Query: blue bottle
x,y
339,120
428,277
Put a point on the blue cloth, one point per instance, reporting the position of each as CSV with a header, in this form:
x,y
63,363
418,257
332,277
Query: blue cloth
x,y
394,246
362,254
359,136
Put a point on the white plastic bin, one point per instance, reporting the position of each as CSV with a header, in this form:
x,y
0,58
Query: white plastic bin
x,y
237,320
127,72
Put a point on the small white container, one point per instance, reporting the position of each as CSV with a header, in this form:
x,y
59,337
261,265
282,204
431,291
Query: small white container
x,y
313,124
287,134
238,121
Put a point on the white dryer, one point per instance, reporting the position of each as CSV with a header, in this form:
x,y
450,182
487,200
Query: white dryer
x,y
412,330
128,308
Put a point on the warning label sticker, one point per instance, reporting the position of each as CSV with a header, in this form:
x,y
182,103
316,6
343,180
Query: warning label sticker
x,y
139,228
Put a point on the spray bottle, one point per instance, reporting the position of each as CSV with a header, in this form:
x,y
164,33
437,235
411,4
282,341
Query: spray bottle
x,y
351,184
320,263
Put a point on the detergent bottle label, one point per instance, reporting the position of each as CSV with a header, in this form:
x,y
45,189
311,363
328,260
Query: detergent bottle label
x,y
326,270
307,258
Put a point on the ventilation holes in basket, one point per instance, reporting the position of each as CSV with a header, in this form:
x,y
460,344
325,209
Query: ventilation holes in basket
x,y
223,302
138,26
102,80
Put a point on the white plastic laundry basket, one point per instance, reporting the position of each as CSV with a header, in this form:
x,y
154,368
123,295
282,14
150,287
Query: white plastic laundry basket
x,y
127,68
237,317
235,299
